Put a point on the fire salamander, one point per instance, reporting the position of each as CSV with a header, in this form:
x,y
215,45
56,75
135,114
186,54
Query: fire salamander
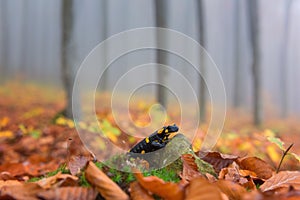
x,y
155,141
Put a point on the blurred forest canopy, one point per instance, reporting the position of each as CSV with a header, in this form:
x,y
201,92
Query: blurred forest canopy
x,y
31,38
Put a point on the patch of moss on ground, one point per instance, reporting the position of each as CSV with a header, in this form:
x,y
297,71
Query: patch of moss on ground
x,y
61,169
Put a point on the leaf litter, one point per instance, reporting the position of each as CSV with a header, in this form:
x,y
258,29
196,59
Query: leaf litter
x,y
38,161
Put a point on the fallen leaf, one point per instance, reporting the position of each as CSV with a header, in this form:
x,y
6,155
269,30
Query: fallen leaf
x,y
105,186
78,155
234,174
277,141
20,169
283,179
296,156
233,190
6,134
190,168
262,169
66,193
258,195
9,183
6,176
273,153
200,189
4,122
59,180
26,191
137,192
166,190
217,160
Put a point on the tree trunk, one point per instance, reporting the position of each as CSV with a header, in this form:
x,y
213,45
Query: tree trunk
x,y
104,78
283,57
202,85
5,39
256,68
237,98
66,66
161,57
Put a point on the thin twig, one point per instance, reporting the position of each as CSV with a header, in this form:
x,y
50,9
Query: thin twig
x,y
284,154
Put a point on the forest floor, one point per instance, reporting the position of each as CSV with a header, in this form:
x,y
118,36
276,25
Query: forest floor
x,y
41,157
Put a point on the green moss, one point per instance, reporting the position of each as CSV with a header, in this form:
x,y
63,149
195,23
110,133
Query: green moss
x,y
35,179
165,174
61,169
82,181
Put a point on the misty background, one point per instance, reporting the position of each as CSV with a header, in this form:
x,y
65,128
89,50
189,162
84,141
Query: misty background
x,y
30,42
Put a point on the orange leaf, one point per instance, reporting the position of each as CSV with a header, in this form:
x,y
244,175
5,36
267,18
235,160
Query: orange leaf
x,y
4,122
231,189
78,156
283,179
26,191
58,179
166,190
190,168
262,169
66,193
217,160
9,183
104,185
139,193
200,189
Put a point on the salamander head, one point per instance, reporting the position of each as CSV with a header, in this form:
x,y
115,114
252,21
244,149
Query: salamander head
x,y
166,130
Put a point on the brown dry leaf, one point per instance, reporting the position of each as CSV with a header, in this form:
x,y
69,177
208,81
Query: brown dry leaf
x,y
201,189
6,176
66,193
59,180
166,190
262,169
234,174
217,160
21,169
26,191
9,183
139,193
258,195
190,168
231,189
104,185
78,156
283,179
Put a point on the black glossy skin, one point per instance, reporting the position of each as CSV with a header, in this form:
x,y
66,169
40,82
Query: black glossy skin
x,y
155,141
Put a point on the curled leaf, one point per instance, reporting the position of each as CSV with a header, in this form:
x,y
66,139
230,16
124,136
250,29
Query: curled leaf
x,y
200,189
262,169
139,193
231,189
217,160
283,179
104,185
78,156
59,179
166,190
190,168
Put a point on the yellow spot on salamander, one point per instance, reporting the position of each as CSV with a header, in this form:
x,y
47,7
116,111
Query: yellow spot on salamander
x,y
166,131
160,131
147,140
143,152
